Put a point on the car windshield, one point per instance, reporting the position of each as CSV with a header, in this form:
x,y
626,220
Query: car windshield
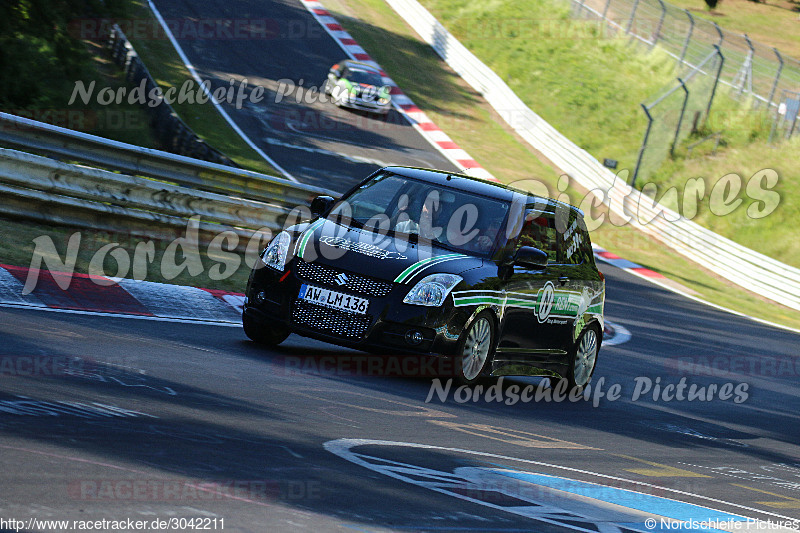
x,y
364,76
417,210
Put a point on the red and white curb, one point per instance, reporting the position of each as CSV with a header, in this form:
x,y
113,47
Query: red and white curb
x,y
120,297
624,264
400,101
105,296
664,282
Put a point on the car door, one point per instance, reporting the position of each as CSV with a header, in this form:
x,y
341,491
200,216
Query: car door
x,y
534,326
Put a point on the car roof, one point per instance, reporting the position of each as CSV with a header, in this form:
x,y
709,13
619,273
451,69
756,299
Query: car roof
x,y
476,185
359,64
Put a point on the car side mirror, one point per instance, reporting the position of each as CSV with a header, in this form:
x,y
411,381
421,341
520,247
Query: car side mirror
x,y
335,72
321,205
530,257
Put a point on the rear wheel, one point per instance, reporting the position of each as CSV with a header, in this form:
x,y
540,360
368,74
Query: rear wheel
x,y
268,335
583,359
475,351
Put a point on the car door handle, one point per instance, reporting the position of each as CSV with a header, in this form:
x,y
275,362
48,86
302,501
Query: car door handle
x,y
563,280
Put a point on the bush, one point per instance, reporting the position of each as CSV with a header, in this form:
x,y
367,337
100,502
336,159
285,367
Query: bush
x,y
38,56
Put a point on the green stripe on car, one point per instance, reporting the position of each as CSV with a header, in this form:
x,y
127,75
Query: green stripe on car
x,y
301,245
419,266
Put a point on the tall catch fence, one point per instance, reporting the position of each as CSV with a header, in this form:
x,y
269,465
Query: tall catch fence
x,y
746,68
677,112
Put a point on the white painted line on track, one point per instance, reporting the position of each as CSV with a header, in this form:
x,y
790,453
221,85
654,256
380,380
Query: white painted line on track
x,y
121,315
670,288
343,448
207,92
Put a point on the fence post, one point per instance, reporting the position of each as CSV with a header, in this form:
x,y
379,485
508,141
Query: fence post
x,y
716,82
794,120
605,9
747,67
688,37
644,145
633,15
777,77
719,31
660,22
680,117
776,120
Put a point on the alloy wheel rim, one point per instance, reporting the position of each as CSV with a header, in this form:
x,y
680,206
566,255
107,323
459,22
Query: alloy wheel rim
x,y
476,348
585,357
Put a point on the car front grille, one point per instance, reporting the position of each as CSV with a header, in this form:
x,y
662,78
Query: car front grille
x,y
355,283
332,321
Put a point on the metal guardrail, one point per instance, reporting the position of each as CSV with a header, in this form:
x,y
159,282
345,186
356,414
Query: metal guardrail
x,y
172,132
54,141
747,268
38,188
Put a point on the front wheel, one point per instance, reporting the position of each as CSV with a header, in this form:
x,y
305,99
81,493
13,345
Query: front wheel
x,y
583,359
475,351
267,335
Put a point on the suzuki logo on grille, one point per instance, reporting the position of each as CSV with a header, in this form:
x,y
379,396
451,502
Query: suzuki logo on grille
x,y
341,279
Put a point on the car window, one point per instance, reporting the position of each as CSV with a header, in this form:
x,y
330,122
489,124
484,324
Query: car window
x,y
540,232
364,76
576,243
458,220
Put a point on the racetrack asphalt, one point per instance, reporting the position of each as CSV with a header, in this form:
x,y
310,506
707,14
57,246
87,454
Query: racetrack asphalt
x,y
319,143
115,418
185,414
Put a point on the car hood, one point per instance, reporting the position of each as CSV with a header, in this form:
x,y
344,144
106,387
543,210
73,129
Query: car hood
x,y
379,256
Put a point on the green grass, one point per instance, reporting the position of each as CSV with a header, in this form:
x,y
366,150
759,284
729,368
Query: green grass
x,y
124,122
468,119
165,65
590,90
774,22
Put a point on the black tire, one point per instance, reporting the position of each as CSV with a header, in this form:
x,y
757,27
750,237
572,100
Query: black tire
x,y
583,359
476,350
261,334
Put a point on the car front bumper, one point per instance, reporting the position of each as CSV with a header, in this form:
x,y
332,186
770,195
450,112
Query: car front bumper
x,y
389,325
364,105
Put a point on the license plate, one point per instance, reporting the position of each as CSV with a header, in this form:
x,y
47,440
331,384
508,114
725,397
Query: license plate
x,y
333,299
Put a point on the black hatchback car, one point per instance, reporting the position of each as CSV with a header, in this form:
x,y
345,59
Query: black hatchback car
x,y
430,262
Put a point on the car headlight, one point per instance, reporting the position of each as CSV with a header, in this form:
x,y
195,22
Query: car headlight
x,y
432,290
278,250
383,100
